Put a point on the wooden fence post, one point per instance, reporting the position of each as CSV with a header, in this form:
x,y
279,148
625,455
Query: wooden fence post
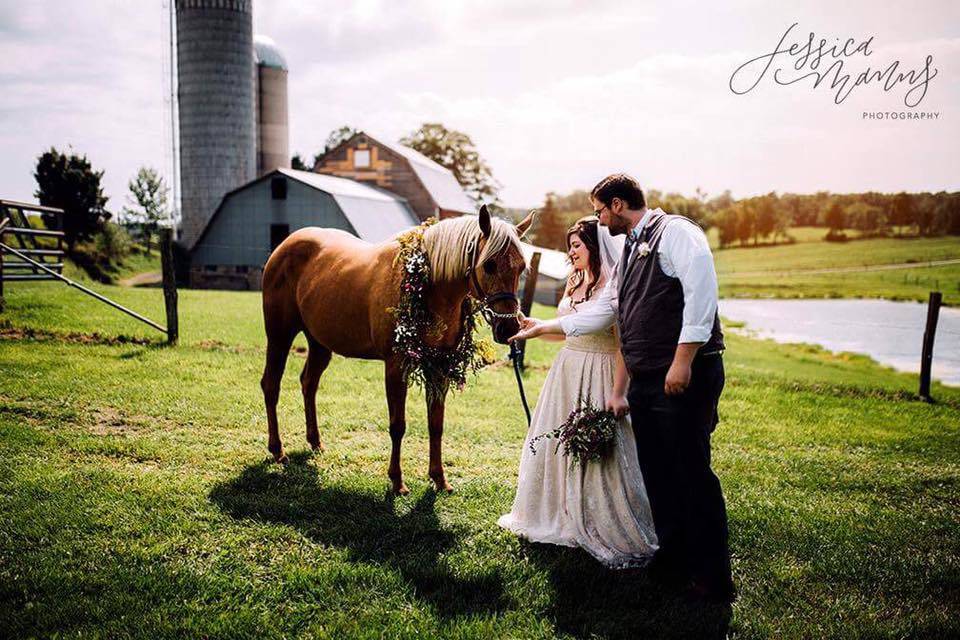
x,y
4,221
929,333
529,289
169,284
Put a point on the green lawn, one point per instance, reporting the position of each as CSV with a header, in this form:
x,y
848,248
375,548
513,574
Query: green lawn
x,y
783,271
136,499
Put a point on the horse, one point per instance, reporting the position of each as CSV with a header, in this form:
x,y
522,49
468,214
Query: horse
x,y
340,291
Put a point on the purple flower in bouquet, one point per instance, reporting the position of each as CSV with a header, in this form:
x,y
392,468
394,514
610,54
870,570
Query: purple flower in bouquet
x,y
587,434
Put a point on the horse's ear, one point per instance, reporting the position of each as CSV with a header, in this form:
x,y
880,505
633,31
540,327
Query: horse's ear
x,y
525,224
485,221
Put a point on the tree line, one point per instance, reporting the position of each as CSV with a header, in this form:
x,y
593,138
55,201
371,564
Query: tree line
x,y
767,219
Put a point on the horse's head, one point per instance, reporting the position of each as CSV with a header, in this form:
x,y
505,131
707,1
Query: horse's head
x,y
496,263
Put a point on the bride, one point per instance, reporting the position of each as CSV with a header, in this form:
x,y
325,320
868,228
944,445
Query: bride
x,y
600,506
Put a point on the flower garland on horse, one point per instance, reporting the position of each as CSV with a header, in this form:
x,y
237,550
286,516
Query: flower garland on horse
x,y
429,366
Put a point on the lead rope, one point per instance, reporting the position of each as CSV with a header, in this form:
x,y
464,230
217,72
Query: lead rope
x,y
515,356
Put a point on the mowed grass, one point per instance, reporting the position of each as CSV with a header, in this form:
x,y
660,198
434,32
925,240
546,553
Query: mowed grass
x,y
783,271
136,498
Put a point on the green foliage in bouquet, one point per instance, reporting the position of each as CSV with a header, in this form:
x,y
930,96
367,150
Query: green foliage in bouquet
x,y
587,434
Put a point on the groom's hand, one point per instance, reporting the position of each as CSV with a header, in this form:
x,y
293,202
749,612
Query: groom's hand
x,y
678,377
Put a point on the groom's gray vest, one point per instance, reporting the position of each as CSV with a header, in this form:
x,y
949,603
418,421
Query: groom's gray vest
x,y
651,306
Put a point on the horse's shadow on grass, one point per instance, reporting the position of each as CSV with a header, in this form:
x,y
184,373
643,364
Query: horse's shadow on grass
x,y
591,601
367,526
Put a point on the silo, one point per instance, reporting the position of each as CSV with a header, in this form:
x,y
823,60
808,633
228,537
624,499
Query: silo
x,y
273,131
216,103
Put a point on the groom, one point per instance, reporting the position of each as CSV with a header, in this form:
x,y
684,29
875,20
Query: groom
x,y
664,300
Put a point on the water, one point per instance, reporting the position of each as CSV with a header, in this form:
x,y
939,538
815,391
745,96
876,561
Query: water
x,y
889,332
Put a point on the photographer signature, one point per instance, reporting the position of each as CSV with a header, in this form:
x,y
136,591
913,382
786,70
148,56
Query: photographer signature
x,y
808,57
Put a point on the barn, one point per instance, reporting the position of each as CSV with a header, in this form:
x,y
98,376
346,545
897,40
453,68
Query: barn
x,y
253,219
430,189
552,273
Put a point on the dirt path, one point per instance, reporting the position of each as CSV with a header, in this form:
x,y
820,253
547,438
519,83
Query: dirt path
x,y
142,279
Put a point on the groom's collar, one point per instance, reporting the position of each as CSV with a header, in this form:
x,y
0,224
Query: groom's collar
x,y
644,221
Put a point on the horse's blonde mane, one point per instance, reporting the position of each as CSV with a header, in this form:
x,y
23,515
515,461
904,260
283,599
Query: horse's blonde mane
x,y
448,243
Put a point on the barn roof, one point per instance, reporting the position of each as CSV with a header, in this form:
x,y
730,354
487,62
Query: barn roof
x,y
437,179
553,263
375,214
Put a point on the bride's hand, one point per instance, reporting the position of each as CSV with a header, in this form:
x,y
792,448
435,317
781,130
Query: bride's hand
x,y
618,405
529,328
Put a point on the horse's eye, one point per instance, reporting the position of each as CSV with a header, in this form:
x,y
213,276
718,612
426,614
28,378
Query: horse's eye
x,y
490,266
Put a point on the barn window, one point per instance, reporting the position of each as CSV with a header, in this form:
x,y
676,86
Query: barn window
x,y
361,159
278,188
278,233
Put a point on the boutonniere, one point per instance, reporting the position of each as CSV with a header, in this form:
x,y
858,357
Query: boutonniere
x,y
643,250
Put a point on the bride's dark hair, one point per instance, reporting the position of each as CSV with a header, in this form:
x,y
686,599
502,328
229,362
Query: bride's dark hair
x,y
586,229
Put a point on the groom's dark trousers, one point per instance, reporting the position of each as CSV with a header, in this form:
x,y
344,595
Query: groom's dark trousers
x,y
673,447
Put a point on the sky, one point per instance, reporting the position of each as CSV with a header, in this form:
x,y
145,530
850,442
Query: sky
x,y
555,95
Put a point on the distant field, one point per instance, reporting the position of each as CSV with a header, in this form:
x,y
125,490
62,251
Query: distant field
x,y
136,499
778,271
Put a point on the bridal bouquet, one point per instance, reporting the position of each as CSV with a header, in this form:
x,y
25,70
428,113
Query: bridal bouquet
x,y
587,434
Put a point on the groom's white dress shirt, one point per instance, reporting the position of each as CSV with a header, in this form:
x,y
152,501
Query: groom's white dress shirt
x,y
684,253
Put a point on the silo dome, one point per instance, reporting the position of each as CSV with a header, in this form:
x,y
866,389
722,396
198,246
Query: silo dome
x,y
267,53
273,131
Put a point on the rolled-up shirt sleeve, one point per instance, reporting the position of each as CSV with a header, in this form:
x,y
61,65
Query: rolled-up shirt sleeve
x,y
688,254
595,317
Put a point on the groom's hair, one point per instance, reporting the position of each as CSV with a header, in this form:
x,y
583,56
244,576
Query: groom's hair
x,y
619,185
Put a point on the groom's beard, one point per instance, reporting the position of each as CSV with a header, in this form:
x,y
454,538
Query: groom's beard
x,y
618,225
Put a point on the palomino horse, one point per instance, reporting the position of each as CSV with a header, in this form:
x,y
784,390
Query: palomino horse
x,y
338,290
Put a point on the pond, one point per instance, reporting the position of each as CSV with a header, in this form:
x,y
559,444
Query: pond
x,y
889,332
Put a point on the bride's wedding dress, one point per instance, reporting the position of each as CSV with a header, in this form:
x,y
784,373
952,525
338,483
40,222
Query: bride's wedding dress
x,y
601,506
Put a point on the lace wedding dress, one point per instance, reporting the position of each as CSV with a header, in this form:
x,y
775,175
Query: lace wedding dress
x,y
601,506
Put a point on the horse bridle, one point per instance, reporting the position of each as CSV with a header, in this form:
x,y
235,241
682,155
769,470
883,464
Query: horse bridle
x,y
486,301
489,315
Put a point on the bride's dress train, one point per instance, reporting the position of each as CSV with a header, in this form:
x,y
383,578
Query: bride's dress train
x,y
601,507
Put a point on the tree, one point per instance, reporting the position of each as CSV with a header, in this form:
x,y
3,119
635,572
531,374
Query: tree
x,y
726,221
746,221
866,218
297,163
834,217
149,203
901,211
455,151
765,210
334,139
338,136
69,182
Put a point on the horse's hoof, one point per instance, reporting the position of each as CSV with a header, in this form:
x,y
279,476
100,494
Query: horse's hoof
x,y
401,490
281,458
318,448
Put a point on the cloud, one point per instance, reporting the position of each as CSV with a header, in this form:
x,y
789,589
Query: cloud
x,y
555,94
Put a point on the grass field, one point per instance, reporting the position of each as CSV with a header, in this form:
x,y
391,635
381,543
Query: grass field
x,y
784,271
136,499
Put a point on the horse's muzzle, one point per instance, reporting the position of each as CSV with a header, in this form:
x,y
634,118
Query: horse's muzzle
x,y
503,329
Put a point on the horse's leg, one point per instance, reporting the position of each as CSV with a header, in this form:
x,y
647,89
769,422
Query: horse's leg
x,y
278,346
396,402
435,409
317,360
